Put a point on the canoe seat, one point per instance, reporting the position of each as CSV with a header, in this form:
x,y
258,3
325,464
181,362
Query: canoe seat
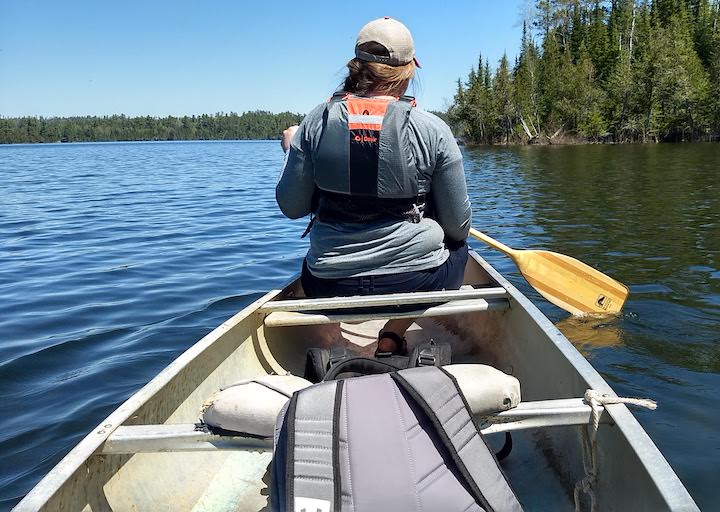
x,y
344,309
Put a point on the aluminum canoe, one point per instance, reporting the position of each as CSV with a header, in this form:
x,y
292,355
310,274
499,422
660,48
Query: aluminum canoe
x,y
148,455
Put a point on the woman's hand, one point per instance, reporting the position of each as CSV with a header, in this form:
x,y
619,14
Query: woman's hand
x,y
287,137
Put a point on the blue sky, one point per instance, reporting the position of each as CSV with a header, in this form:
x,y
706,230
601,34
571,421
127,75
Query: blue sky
x,y
60,58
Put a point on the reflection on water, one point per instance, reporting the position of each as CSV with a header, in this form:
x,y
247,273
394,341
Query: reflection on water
x,y
114,258
591,332
648,216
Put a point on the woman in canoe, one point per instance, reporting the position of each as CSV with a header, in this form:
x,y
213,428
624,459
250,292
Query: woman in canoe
x,y
383,181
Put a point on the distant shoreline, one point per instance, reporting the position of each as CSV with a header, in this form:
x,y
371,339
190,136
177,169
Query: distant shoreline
x,y
562,142
57,142
248,126
255,125
580,141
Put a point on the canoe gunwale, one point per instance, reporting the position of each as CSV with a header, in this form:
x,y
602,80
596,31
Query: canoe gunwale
x,y
659,470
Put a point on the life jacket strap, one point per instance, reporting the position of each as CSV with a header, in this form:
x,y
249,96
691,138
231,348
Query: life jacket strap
x,y
310,225
336,207
342,95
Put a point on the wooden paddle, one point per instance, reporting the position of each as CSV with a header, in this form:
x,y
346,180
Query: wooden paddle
x,y
564,281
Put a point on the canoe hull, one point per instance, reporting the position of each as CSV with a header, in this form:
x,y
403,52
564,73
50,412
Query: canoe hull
x,y
518,339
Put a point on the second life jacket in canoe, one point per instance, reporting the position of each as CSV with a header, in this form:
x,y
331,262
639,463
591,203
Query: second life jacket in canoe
x,y
364,166
401,441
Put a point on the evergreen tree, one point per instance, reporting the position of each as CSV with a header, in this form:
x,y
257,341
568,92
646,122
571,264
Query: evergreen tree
x,y
681,81
526,89
589,97
714,70
623,70
502,100
597,42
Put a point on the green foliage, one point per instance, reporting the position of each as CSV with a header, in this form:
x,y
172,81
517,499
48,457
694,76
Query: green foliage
x,y
502,99
714,103
618,70
247,126
526,91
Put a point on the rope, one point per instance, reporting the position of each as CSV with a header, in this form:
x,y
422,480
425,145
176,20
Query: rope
x,y
597,401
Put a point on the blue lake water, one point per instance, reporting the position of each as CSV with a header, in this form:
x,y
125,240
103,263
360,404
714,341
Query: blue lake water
x,y
115,258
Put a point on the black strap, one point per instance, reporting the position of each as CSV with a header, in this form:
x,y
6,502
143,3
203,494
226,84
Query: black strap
x,y
337,484
290,457
318,361
426,358
338,354
316,364
313,217
431,354
342,207
506,447
357,366
339,95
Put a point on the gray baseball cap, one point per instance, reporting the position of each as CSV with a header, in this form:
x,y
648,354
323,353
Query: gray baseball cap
x,y
391,34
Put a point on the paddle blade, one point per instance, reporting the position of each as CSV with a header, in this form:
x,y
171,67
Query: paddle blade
x,y
570,284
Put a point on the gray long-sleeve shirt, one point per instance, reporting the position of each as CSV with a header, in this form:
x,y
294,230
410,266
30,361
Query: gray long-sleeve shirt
x,y
348,249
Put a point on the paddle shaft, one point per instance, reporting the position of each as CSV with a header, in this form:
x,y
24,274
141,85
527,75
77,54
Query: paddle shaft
x,y
492,242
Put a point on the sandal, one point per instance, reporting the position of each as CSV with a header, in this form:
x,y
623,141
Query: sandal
x,y
400,345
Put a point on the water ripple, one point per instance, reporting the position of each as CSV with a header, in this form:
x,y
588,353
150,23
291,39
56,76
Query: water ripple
x,y
114,258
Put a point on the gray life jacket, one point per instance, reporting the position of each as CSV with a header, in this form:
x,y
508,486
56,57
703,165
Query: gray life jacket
x,y
402,441
364,165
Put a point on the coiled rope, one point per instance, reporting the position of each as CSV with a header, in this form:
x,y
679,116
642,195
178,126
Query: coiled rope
x,y
596,401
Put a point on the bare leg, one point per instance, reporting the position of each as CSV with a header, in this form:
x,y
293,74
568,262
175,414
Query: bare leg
x,y
398,326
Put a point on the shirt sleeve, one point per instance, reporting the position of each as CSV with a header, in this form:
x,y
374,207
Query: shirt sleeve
x,y
449,190
296,184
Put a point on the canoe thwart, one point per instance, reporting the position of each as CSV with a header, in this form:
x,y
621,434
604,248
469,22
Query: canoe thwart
x,y
178,438
187,437
541,414
455,307
389,299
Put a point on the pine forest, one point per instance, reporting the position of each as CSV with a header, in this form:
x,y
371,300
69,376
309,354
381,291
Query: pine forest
x,y
591,71
249,125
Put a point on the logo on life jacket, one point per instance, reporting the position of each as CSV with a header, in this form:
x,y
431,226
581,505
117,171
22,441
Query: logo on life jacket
x,y
365,138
